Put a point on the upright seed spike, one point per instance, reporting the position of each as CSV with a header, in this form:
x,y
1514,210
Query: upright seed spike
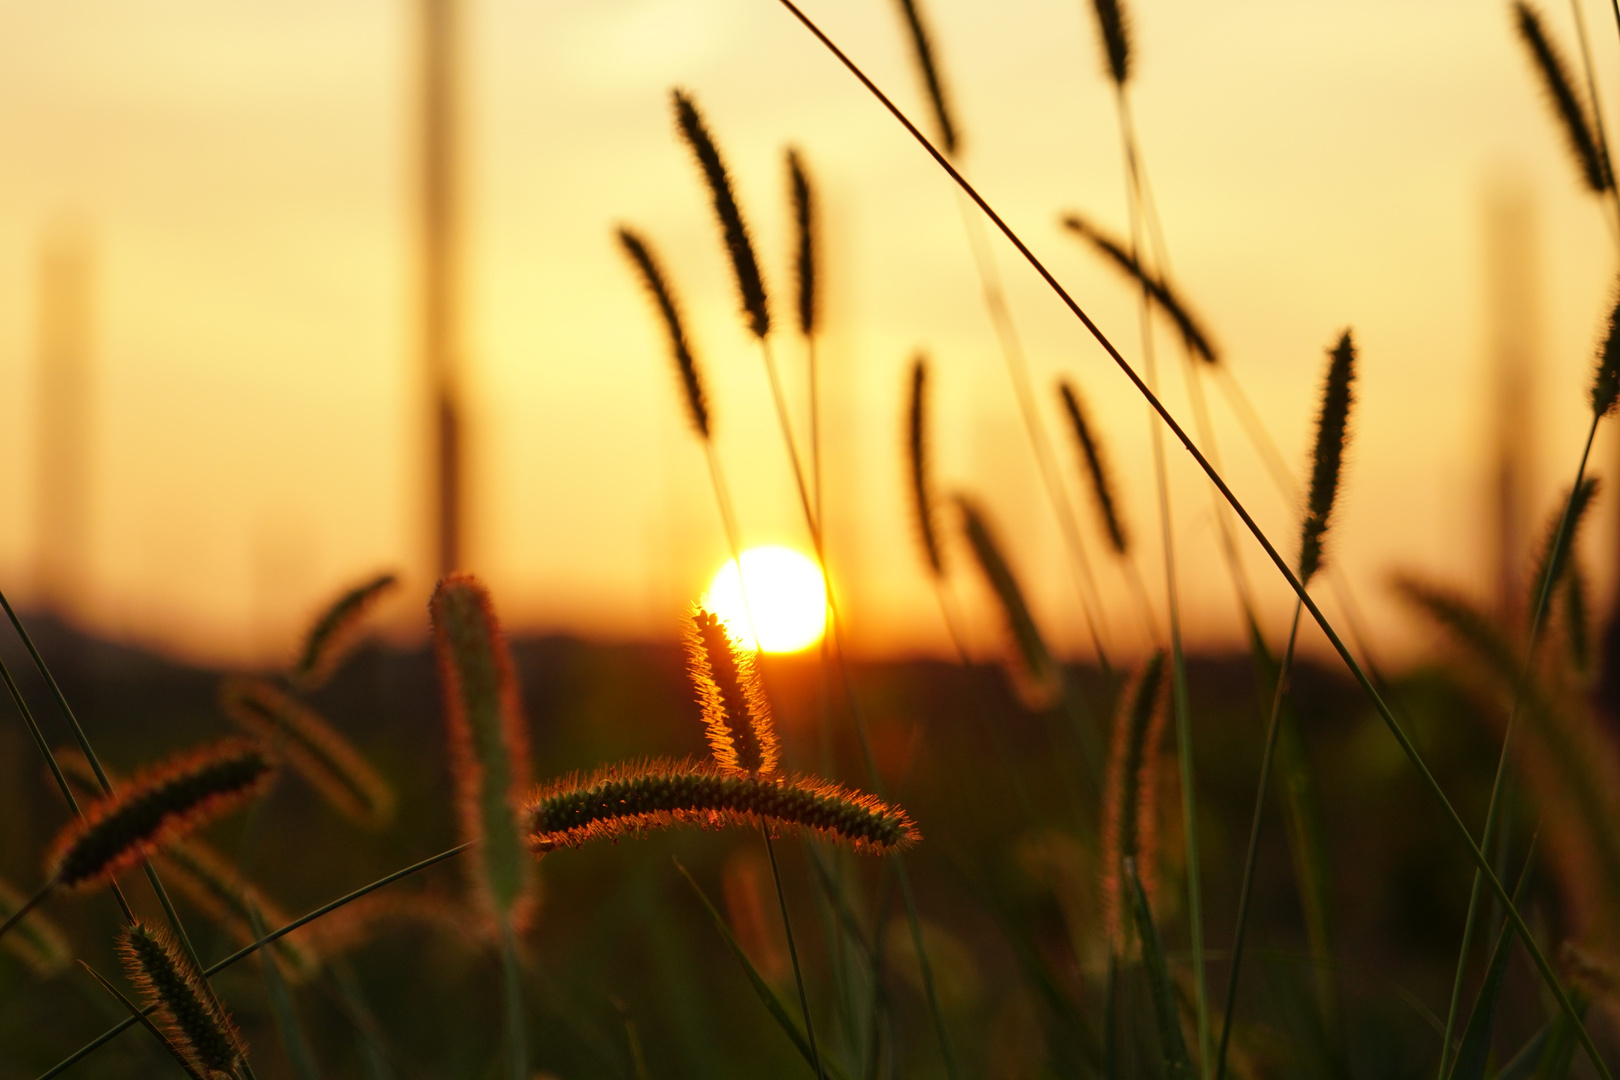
x,y
744,266
922,492
1331,425
1114,27
1130,793
804,219
192,1016
1091,455
1606,380
652,275
1039,680
922,51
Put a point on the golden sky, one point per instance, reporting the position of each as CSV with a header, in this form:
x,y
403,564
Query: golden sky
x,y
245,173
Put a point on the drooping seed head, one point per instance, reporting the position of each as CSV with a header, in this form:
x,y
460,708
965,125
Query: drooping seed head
x,y
652,276
1036,677
1606,380
1567,102
804,219
923,53
158,806
33,939
335,633
1130,792
1158,290
301,737
744,266
1331,431
635,798
489,744
189,1013
1553,561
736,714
1114,27
922,490
1096,467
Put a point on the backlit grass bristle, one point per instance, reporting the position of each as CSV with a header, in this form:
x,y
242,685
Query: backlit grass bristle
x,y
157,807
1331,429
744,882
1115,30
745,267
1091,456
1038,680
635,798
365,920
1577,618
302,738
33,939
680,346
804,220
1130,794
922,490
923,52
489,744
1552,563
1606,380
736,715
1567,102
1158,289
191,1016
336,632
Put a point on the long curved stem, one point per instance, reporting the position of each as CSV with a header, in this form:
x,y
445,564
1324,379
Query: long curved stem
x,y
1537,954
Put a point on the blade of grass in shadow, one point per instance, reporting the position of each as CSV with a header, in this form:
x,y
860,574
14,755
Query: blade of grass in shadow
x,y
1177,1064
293,1041
767,996
250,949
1475,1051
1408,748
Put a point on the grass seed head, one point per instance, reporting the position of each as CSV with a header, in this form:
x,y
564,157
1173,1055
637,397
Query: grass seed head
x,y
1567,102
1331,431
750,283
489,745
1038,679
33,939
652,275
1130,793
192,1017
636,798
301,737
1159,290
1115,29
922,491
1552,563
1091,455
804,220
736,714
158,806
1606,380
336,632
923,53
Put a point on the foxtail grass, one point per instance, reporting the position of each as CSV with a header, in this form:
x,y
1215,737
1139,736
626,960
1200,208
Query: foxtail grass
x,y
160,805
652,276
736,713
1096,469
1114,28
922,53
1555,563
1605,391
489,744
744,265
335,633
636,798
34,939
312,747
1130,811
1037,677
191,1016
917,447
1567,102
804,247
1160,291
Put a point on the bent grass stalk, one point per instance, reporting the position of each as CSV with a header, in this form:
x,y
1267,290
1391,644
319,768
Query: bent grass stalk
x,y
1537,954
336,632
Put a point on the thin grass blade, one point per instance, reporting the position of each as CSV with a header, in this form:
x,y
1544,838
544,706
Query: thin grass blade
x,y
1172,1044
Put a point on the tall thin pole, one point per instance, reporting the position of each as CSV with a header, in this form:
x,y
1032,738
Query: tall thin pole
x,y
441,266
64,415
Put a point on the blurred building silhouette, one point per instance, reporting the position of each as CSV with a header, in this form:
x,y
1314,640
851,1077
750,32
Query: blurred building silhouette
x,y
64,423
441,264
1512,281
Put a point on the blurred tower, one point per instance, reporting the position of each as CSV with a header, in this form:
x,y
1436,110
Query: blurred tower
x,y
64,429
441,275
1512,310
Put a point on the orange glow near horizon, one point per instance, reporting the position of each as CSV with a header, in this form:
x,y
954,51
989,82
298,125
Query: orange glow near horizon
x,y
779,595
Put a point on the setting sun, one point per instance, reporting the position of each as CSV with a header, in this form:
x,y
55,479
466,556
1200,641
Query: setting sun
x,y
786,599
